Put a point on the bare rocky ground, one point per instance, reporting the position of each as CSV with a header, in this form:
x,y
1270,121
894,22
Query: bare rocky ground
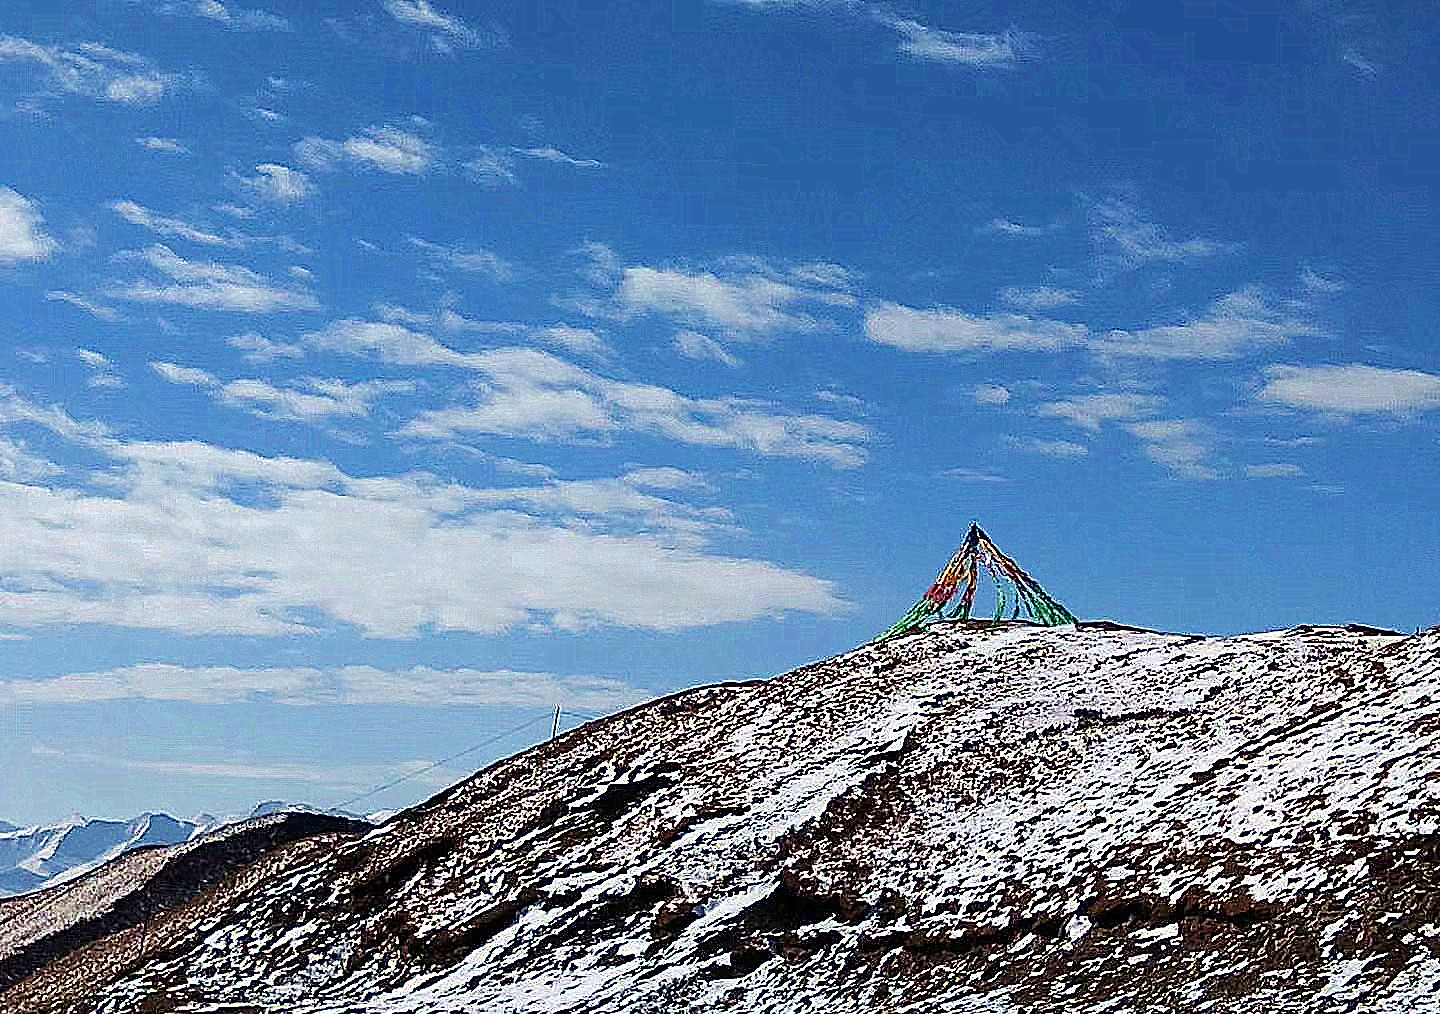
x,y
979,818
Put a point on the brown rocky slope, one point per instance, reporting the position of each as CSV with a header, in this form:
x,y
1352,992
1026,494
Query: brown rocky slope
x,y
979,818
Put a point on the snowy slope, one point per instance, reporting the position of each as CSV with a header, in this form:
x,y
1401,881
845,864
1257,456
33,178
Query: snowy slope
x,y
974,819
35,857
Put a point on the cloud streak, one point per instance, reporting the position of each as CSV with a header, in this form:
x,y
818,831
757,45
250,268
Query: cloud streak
x,y
93,71
207,285
356,686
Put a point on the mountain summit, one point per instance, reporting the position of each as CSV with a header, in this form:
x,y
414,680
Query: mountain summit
x,y
977,818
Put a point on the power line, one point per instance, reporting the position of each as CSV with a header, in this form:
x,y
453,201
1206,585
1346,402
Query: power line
x,y
445,760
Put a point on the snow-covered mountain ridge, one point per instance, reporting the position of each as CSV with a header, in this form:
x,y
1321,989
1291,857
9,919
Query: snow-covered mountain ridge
x,y
40,856
35,857
978,818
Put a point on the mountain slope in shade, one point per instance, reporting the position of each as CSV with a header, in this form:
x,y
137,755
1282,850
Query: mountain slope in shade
x,y
978,818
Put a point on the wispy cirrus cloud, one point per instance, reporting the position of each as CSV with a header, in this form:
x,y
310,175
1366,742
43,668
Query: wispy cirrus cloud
x,y
1242,323
1090,411
387,149
96,310
945,329
237,18
335,776
694,345
358,686
971,49
277,184
93,71
558,157
447,32
207,285
102,369
309,399
256,348
534,395
1048,448
162,145
1126,240
468,260
1274,470
1185,446
167,225
1037,297
733,300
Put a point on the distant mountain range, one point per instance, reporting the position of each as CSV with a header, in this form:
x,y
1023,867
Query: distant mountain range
x,y
36,857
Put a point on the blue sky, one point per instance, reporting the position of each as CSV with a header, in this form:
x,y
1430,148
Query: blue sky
x,y
377,376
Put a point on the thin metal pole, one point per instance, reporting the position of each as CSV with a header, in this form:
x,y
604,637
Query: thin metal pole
x,y
555,729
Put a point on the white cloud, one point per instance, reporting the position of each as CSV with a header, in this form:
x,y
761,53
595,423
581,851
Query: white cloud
x,y
92,70
973,475
162,145
1274,470
948,330
314,398
1127,240
477,262
310,399
235,18
102,370
969,48
990,394
81,303
311,687
22,230
999,226
177,374
387,149
421,14
209,286
257,348
1242,323
534,395
390,343
559,157
278,184
1366,67
1355,389
198,539
742,306
1049,448
240,19
164,225
578,340
1036,297
334,776
1185,446
1089,411
694,345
